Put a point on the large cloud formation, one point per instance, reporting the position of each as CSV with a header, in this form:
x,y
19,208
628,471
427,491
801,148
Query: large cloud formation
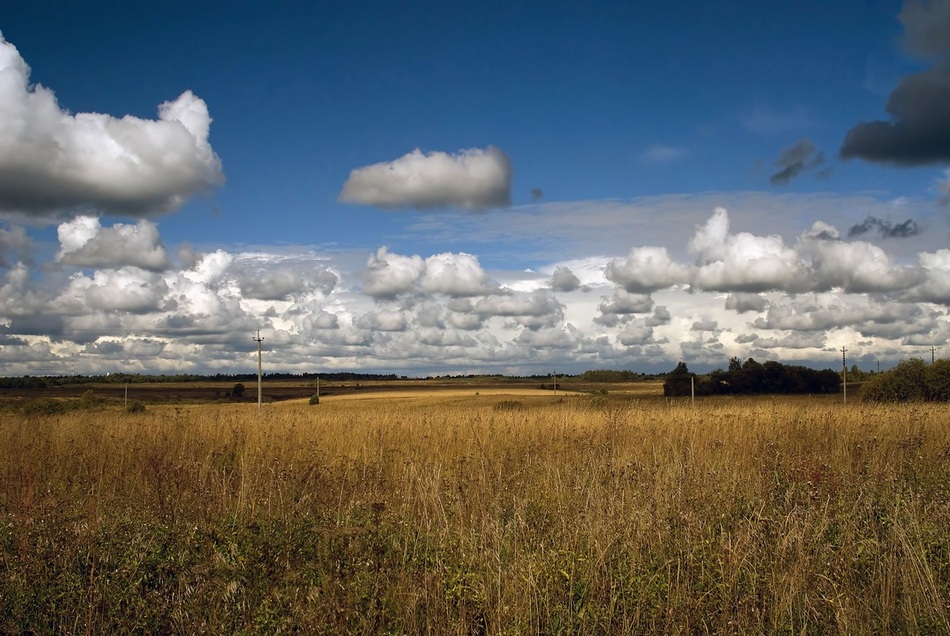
x,y
471,179
54,164
919,130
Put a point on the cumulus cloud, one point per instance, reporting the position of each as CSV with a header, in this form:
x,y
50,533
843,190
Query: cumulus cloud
x,y
455,275
795,159
383,321
635,333
822,313
645,270
855,267
564,280
15,246
935,286
886,229
85,243
533,310
129,289
471,179
284,282
742,302
918,131
706,324
388,275
54,164
744,262
621,305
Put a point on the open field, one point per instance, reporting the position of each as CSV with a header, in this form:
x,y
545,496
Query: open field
x,y
278,391
497,513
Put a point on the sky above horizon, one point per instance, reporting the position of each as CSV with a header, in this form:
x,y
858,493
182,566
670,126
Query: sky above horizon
x,y
455,188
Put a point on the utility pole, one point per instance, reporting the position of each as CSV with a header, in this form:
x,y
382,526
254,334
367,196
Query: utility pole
x,y
554,375
258,340
844,371
933,354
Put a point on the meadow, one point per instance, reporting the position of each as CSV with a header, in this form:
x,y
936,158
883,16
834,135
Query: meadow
x,y
478,514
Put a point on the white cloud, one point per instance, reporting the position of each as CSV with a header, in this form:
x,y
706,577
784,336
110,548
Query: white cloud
x,y
471,179
855,267
455,275
388,275
744,262
383,321
534,310
645,270
54,164
85,243
622,303
129,289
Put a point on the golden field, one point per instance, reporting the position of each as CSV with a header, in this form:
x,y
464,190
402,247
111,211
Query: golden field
x,y
493,513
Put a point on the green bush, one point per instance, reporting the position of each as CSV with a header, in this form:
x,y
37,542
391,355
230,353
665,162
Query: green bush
x,y
43,406
910,381
88,400
135,407
314,399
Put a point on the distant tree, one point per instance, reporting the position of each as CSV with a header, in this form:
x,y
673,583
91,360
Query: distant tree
x,y
238,390
678,381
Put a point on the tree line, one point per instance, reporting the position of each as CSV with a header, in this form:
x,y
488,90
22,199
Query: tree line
x,y
750,378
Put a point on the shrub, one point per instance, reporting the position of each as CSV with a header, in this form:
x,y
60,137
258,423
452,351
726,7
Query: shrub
x,y
314,399
43,406
238,390
88,400
509,405
909,381
135,407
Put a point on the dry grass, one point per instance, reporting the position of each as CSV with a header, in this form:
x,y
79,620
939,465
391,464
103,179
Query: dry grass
x,y
422,516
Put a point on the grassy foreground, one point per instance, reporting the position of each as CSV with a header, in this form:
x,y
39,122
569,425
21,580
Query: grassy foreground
x,y
570,516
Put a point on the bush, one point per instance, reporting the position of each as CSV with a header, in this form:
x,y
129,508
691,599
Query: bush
x,y
135,407
238,390
88,400
43,406
910,381
509,405
314,399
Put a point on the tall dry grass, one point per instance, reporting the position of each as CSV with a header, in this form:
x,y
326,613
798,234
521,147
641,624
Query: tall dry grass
x,y
422,517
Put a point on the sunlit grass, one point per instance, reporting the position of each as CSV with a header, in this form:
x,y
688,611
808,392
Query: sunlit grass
x,y
563,515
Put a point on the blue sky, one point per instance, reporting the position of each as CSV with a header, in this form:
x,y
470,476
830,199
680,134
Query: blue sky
x,y
466,187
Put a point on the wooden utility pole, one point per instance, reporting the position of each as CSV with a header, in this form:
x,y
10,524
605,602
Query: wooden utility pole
x,y
933,354
554,375
258,340
844,373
